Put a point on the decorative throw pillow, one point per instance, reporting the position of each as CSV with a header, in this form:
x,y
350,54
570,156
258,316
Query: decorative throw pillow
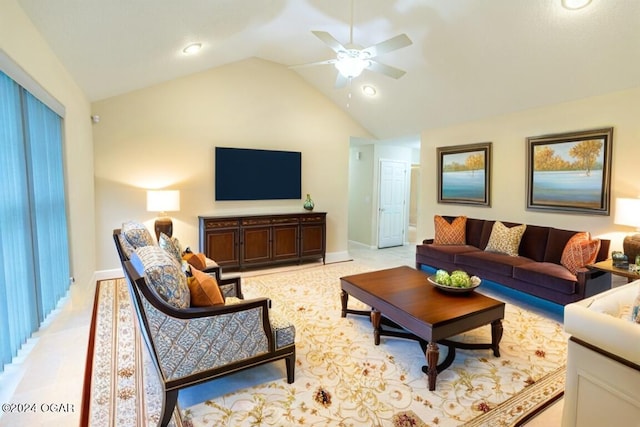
x,y
137,234
164,275
579,251
198,261
505,240
204,289
450,234
635,309
125,245
172,246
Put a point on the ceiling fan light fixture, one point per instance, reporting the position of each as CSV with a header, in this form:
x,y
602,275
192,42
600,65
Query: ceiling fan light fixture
x,y
350,64
351,67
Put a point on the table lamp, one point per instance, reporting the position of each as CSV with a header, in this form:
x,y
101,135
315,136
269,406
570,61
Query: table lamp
x,y
628,213
163,201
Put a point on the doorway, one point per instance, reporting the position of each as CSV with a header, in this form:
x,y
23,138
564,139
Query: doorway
x,y
392,203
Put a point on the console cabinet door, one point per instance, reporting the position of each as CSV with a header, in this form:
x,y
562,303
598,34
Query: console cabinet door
x,y
312,237
285,242
221,241
256,245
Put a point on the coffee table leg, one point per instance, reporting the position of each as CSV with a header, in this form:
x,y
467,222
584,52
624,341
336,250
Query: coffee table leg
x,y
344,298
376,317
496,336
433,352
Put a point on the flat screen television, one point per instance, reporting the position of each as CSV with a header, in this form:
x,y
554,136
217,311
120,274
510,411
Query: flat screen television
x,y
250,174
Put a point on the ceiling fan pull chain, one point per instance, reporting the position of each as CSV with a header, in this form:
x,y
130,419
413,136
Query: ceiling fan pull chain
x,y
351,26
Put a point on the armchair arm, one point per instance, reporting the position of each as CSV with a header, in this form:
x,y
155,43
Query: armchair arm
x,y
427,241
214,271
592,281
231,286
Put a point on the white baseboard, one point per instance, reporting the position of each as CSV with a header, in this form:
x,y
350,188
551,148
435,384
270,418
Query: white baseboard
x,y
364,245
108,274
337,257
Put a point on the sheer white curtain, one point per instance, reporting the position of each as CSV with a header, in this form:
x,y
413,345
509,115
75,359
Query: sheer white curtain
x,y
34,260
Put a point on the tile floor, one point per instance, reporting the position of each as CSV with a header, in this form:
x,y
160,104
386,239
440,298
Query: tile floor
x,y
50,368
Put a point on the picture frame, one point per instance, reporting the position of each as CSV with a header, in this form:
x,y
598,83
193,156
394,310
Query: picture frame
x,y
464,174
570,172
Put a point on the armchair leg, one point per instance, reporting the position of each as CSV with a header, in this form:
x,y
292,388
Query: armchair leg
x,y
170,400
291,367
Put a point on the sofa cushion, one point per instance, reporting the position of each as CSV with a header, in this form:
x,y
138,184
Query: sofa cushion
x,y
546,275
163,274
555,244
450,233
203,289
490,261
444,253
505,240
579,251
534,242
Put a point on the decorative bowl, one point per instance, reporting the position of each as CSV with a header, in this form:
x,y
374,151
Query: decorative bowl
x,y
452,289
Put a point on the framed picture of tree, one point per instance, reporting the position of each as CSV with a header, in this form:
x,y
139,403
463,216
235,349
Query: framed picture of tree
x,y
464,174
570,172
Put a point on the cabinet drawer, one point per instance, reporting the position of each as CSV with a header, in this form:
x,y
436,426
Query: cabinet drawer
x,y
283,220
247,222
312,218
210,224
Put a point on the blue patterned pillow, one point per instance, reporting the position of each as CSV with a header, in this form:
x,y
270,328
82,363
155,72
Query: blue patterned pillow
x,y
164,275
172,246
137,234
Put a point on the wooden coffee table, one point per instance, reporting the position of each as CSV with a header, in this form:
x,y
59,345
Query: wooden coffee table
x,y
424,313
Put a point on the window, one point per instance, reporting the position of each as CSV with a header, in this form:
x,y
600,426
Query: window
x,y
34,254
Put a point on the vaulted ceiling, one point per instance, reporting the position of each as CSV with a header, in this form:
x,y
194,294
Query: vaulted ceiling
x,y
469,58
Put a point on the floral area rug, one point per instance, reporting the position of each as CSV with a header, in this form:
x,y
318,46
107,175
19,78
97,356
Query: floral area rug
x,y
342,378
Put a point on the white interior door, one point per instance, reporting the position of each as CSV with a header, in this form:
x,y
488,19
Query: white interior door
x,y
392,203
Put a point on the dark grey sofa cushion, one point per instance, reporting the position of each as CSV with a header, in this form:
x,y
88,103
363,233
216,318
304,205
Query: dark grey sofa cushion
x,y
547,275
445,253
497,263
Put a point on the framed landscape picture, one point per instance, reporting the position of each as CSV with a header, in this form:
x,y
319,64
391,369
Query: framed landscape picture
x,y
464,174
570,172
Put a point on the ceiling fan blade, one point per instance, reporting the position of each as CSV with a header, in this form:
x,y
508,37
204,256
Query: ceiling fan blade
x,y
387,70
313,64
341,81
329,40
393,43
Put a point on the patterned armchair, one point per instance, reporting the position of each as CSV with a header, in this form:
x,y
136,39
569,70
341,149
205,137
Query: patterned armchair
x,y
191,345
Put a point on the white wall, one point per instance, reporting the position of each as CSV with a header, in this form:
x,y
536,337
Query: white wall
x,y
164,137
21,41
508,134
361,193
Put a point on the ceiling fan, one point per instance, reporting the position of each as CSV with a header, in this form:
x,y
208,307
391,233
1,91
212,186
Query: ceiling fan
x,y
352,59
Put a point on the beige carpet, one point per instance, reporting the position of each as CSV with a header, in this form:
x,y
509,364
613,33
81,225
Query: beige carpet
x,y
342,379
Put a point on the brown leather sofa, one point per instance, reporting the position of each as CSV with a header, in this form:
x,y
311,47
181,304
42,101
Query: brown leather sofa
x,y
536,270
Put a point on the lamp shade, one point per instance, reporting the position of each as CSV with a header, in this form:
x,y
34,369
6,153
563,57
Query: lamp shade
x,y
627,212
163,200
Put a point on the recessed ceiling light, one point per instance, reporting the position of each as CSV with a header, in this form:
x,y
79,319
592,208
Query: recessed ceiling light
x,y
192,48
369,90
575,4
